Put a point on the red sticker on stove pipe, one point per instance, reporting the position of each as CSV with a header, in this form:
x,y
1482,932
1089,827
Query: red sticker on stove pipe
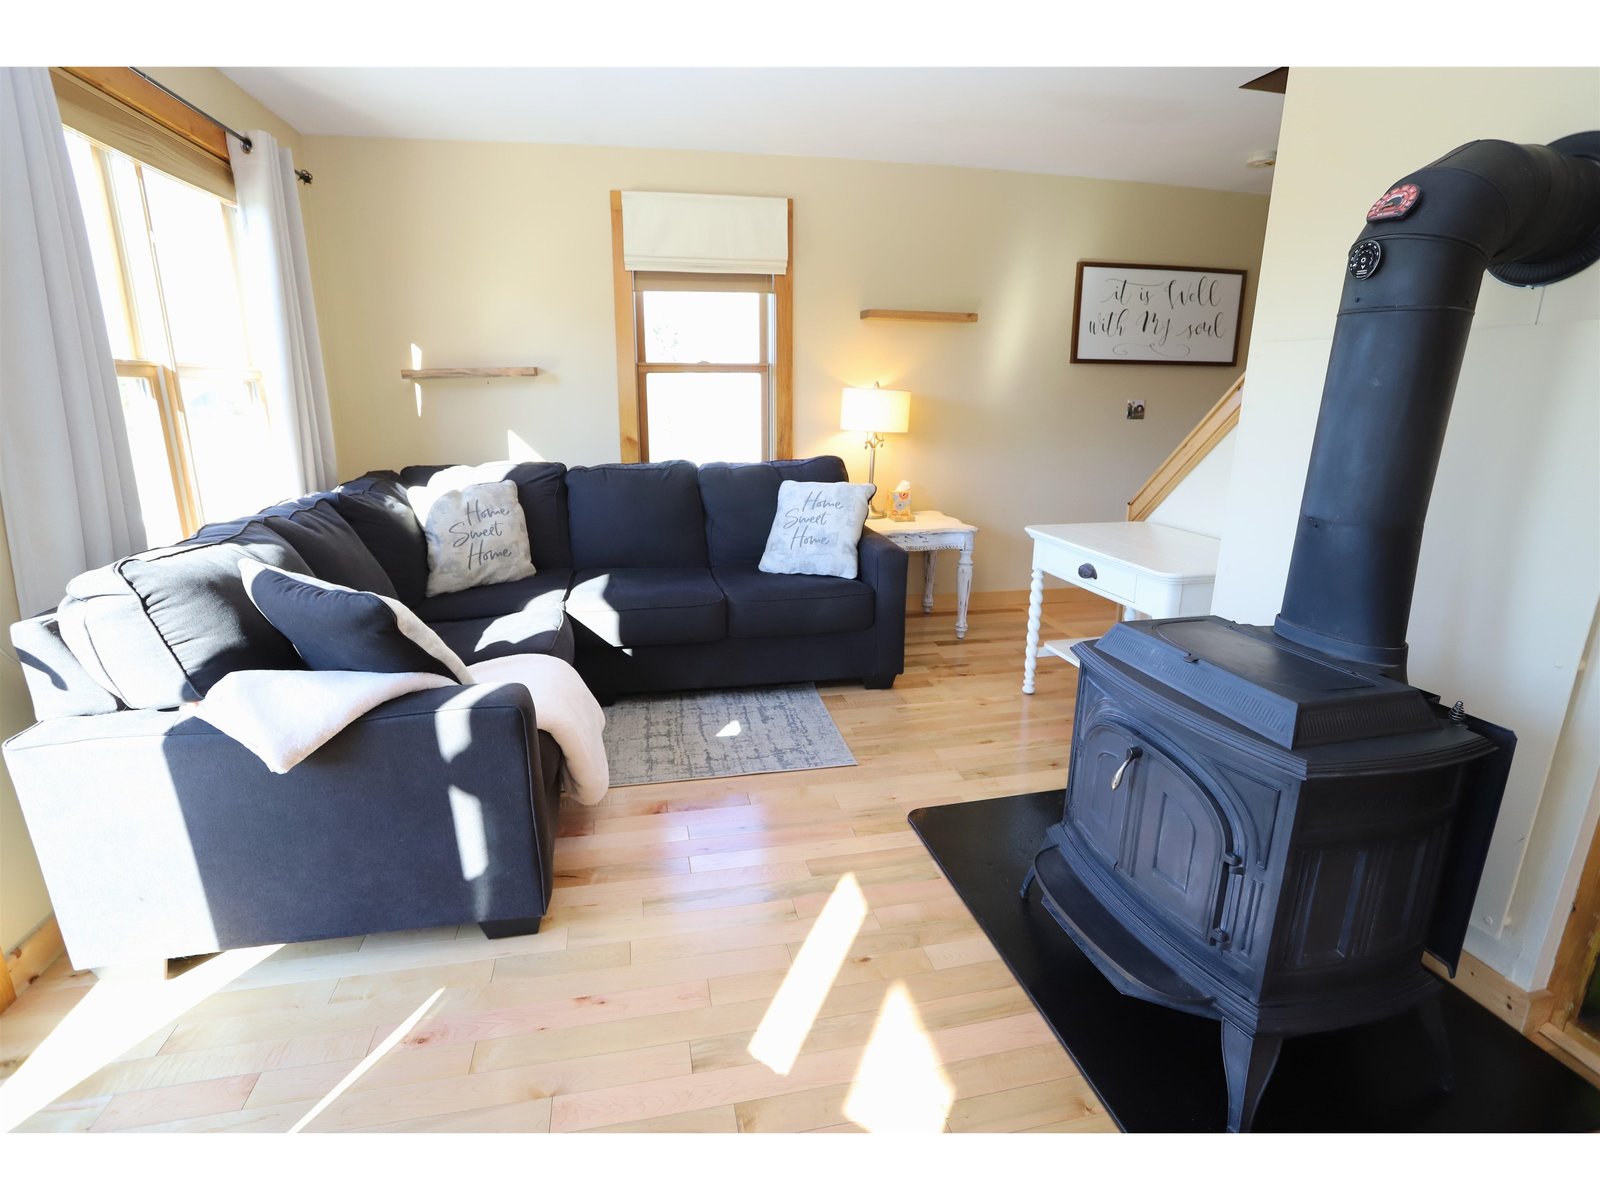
x,y
1395,203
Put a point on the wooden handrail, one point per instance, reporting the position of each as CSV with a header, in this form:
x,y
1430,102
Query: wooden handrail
x,y
1213,427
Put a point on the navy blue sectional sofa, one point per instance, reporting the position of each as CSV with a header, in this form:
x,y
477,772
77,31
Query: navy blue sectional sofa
x,y
160,837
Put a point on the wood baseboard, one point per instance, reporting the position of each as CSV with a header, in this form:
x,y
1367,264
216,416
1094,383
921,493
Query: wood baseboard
x,y
30,960
1524,1011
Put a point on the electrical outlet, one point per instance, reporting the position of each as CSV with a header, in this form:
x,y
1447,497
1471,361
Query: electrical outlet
x,y
1135,410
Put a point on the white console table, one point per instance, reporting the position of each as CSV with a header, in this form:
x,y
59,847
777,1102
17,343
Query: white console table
x,y
931,532
1150,569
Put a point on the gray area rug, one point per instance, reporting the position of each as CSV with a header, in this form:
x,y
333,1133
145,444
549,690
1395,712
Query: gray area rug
x,y
704,735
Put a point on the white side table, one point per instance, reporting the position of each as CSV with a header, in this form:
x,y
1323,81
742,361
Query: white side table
x,y
931,532
1150,569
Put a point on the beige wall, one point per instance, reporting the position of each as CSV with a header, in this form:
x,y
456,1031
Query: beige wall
x,y
24,903
500,255
1509,573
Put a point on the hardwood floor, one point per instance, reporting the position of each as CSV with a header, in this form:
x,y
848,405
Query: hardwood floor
x,y
684,914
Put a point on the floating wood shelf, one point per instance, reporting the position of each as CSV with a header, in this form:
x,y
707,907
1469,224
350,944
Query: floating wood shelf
x,y
912,314
467,372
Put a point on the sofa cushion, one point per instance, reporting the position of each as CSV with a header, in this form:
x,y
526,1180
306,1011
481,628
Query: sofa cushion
x,y
636,515
476,534
542,488
543,630
763,605
375,506
741,499
816,528
337,629
328,544
545,590
649,606
57,681
159,628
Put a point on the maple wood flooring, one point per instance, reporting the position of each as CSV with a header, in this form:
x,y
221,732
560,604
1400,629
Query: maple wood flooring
x,y
679,912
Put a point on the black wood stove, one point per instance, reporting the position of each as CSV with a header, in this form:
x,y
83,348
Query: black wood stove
x,y
1268,826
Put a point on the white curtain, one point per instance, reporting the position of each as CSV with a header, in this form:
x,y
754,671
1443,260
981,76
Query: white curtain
x,y
276,277
66,476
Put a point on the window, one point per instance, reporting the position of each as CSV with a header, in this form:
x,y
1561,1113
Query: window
x,y
705,366
164,266
704,313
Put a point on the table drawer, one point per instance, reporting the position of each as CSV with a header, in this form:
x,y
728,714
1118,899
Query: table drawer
x,y
1106,577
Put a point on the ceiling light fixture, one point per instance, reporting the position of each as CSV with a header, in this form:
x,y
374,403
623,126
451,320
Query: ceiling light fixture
x,y
1270,158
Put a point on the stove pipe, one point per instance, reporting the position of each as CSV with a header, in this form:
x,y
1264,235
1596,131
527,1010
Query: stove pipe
x,y
1530,215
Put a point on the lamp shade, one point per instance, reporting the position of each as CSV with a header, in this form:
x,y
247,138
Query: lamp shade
x,y
875,410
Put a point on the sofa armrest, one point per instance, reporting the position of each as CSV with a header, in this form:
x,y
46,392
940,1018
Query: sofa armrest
x,y
882,564
159,836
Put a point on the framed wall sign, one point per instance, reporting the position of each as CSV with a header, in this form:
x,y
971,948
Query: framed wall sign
x,y
1138,313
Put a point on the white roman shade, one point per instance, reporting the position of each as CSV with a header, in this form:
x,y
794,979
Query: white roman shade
x,y
687,231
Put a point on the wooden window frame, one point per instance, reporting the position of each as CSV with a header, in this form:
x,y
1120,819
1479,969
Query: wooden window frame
x,y
631,422
128,87
163,381
164,373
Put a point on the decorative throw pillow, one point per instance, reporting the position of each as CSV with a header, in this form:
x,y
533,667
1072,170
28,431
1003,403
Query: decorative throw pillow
x,y
335,628
476,534
817,528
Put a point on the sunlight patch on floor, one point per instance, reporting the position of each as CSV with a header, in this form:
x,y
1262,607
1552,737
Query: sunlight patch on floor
x,y
794,1009
899,1086
731,729
111,1017
367,1063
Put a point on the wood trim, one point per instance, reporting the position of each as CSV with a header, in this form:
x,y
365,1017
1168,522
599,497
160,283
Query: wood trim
x,y
1202,439
1275,81
145,98
629,448
1580,940
783,359
688,368
1574,1046
913,314
1523,1011
31,959
467,372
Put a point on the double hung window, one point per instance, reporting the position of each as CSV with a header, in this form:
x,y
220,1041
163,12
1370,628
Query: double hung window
x,y
705,366
165,269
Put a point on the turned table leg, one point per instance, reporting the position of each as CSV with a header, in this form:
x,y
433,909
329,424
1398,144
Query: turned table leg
x,y
1035,611
963,588
930,560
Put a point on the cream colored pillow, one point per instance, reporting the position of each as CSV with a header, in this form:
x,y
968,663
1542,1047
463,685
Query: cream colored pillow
x,y
476,535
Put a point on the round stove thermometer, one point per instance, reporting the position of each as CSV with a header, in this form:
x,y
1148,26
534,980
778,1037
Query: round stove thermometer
x,y
1364,259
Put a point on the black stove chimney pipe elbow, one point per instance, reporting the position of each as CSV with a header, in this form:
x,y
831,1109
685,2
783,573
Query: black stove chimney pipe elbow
x,y
1528,214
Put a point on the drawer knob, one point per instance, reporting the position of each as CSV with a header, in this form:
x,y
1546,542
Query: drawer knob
x,y
1087,571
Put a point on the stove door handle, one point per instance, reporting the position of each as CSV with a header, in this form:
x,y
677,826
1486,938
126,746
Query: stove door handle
x,y
1134,753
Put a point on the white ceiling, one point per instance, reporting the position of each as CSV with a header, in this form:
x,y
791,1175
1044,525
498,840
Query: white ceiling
x,y
1189,126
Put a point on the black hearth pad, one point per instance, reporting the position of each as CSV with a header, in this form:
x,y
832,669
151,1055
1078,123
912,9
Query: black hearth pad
x,y
1157,1070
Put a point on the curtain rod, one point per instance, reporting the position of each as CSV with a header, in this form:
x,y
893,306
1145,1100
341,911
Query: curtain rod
x,y
302,175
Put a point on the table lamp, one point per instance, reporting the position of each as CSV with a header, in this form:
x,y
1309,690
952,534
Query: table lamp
x,y
875,411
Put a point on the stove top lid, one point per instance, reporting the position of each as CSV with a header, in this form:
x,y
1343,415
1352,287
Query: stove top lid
x,y
1287,693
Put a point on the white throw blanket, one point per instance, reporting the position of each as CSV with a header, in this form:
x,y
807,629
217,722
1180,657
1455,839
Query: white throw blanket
x,y
283,716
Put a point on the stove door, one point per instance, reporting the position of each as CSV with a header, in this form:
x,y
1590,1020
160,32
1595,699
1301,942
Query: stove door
x,y
1156,826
